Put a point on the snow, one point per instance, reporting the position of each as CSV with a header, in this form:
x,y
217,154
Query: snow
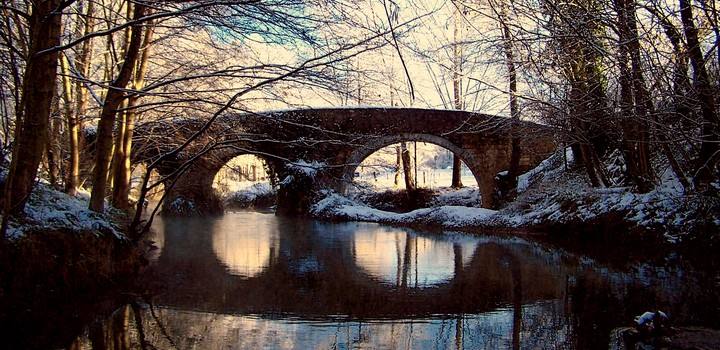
x,y
550,193
310,169
547,168
434,168
48,209
562,196
250,193
287,181
338,207
465,196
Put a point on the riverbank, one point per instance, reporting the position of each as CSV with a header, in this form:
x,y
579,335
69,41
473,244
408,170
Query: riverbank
x,y
555,197
61,264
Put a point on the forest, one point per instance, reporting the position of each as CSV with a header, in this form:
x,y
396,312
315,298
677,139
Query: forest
x,y
640,78
628,89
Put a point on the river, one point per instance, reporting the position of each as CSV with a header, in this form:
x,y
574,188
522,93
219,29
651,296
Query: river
x,y
251,280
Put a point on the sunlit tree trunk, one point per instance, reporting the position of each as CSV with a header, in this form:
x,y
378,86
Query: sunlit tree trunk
x,y
121,188
74,120
113,99
69,115
52,148
32,119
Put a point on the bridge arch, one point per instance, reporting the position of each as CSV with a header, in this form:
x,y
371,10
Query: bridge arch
x,y
356,157
339,137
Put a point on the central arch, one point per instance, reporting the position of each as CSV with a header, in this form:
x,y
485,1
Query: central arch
x,y
358,155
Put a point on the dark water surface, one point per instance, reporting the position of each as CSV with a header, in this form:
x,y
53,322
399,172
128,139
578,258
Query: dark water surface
x,y
251,280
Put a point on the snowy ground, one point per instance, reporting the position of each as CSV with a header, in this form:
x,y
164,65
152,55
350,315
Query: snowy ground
x,y
427,178
48,209
248,193
551,194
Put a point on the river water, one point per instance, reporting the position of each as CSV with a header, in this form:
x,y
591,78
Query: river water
x,y
251,280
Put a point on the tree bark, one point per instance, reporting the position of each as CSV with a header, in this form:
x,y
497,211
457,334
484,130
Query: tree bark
x,y
69,114
457,172
74,121
634,101
38,91
710,143
52,148
113,99
514,168
407,167
457,91
398,164
121,188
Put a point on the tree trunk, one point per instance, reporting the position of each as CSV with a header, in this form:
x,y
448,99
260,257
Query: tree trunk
x,y
113,99
398,164
457,90
514,168
73,165
119,138
38,91
710,144
407,167
589,165
634,102
121,188
456,172
681,89
52,149
74,121
643,104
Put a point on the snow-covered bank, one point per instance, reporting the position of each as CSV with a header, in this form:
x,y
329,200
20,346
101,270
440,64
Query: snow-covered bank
x,y
336,207
257,195
59,261
553,194
50,210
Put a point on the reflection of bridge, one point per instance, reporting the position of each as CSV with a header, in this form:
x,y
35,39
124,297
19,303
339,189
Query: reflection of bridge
x,y
313,269
338,138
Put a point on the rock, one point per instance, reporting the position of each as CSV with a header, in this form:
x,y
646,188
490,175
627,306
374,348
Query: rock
x,y
682,338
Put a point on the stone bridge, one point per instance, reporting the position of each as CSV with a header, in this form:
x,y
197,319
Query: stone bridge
x,y
333,142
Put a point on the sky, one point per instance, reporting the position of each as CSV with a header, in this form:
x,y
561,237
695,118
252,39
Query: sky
x,y
426,48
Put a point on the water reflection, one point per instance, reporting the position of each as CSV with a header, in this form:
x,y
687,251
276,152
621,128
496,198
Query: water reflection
x,y
250,280
397,256
166,328
246,247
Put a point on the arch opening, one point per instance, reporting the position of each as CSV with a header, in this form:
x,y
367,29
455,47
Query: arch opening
x,y
245,182
376,173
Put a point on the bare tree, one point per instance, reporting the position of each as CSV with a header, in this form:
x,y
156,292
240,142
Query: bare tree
x,y
710,137
457,86
113,99
33,115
